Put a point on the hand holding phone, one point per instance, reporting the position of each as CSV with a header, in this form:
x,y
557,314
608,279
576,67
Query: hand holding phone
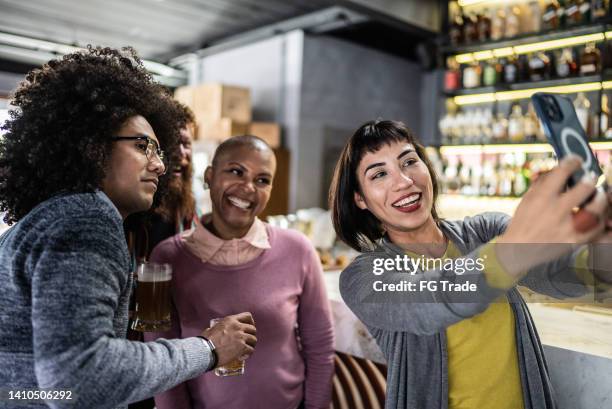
x,y
565,134
567,137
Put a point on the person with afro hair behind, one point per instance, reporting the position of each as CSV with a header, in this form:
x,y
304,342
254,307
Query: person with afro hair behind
x,y
82,151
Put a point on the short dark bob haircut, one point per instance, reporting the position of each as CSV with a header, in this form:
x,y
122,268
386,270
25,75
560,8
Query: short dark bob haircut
x,y
357,227
58,137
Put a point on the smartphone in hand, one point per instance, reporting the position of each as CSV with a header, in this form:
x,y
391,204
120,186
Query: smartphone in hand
x,y
564,132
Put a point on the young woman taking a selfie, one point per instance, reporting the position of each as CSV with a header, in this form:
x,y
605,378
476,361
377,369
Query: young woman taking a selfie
x,y
455,349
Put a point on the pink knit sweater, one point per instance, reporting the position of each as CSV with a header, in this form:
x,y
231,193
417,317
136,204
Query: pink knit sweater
x,y
283,288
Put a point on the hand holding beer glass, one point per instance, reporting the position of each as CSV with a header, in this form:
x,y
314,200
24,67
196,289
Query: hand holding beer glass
x,y
235,338
152,297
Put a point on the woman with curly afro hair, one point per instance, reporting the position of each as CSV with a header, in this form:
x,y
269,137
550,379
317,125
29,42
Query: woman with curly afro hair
x,y
82,151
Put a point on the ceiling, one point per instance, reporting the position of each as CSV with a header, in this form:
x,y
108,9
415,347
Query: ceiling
x,y
156,28
161,30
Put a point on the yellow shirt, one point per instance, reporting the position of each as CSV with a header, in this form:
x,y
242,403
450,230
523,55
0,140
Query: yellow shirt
x,y
483,370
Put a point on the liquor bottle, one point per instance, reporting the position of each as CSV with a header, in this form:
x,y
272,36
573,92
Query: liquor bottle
x,y
511,71
499,71
590,60
561,13
550,17
584,6
522,172
513,22
573,16
500,128
583,107
487,125
564,60
533,17
539,67
489,74
452,76
516,129
455,31
604,119
470,28
606,53
484,26
471,76
573,63
531,124
599,9
523,68
498,24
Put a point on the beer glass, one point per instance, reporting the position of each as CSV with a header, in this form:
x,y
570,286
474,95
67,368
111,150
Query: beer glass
x,y
234,368
152,297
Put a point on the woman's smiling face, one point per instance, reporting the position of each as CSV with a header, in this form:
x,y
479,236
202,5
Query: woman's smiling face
x,y
240,186
396,187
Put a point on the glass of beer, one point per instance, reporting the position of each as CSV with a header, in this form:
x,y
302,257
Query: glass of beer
x,y
234,368
152,297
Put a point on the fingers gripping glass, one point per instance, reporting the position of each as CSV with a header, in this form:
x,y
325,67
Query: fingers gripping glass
x,y
151,150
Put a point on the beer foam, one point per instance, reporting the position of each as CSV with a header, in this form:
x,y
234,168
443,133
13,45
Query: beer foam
x,y
150,273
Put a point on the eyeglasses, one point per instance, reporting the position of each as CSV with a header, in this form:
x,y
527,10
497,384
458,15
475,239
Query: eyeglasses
x,y
151,150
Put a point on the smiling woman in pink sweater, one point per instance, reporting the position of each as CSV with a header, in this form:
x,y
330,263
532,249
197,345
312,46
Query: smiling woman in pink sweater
x,y
232,262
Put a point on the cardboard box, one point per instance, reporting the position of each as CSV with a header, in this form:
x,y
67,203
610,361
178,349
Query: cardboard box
x,y
279,198
220,130
185,95
214,102
268,131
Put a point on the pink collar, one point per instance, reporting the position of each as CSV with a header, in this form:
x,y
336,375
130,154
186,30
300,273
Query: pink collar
x,y
205,245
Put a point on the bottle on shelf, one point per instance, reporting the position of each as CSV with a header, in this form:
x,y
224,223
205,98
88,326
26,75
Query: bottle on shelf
x,y
498,24
573,15
539,67
499,130
584,6
562,13
604,121
533,17
582,105
590,60
565,63
550,17
531,124
599,9
489,73
523,68
513,22
470,28
516,125
522,179
573,65
484,26
455,31
511,71
486,126
452,76
499,71
471,76
606,55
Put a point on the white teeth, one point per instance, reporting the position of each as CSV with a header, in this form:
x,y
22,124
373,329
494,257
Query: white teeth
x,y
243,204
408,200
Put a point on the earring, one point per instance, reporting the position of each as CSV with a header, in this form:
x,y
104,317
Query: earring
x,y
206,187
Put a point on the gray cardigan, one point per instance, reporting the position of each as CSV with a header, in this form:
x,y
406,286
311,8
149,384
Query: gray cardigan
x,y
64,310
410,328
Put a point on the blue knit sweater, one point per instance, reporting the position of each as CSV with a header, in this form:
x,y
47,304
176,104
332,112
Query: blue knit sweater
x,y
65,290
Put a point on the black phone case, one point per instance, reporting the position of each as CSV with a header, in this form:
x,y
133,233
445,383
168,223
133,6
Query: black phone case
x,y
564,132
